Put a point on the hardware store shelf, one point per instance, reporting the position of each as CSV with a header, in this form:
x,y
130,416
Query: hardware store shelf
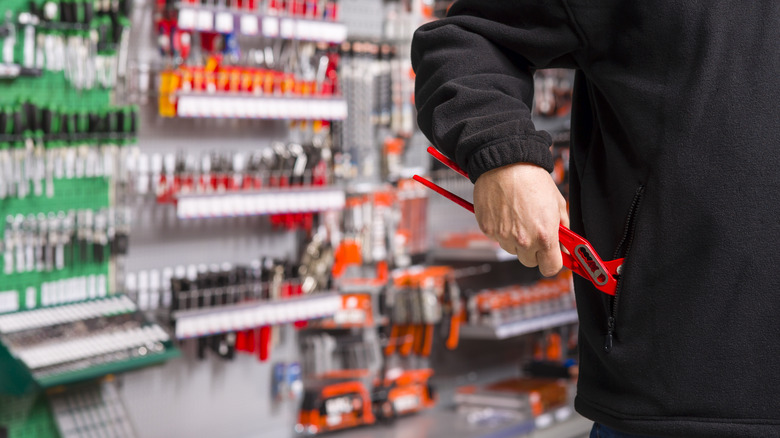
x,y
248,106
223,319
224,20
109,368
518,328
480,254
256,203
49,364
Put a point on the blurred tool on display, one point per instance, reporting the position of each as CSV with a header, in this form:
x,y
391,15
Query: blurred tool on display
x,y
348,399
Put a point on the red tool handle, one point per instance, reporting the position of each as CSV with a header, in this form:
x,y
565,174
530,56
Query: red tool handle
x,y
446,161
264,343
579,256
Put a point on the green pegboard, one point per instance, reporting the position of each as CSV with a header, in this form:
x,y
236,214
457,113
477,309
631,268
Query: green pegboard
x,y
74,194
51,87
69,194
27,416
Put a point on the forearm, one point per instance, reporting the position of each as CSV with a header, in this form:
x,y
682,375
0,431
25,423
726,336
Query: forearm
x,y
475,82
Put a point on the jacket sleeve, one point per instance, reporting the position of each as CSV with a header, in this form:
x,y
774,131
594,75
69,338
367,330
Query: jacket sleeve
x,y
474,79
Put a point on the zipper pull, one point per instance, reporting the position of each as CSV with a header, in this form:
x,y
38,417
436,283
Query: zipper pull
x,y
610,332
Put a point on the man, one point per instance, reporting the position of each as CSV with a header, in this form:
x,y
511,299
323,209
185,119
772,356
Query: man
x,y
674,166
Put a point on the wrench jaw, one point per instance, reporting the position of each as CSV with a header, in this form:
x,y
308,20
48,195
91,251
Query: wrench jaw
x,y
592,265
607,285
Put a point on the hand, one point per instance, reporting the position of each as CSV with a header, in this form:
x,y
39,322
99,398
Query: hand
x,y
520,207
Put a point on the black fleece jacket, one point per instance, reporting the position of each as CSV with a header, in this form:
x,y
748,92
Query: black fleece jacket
x,y
675,158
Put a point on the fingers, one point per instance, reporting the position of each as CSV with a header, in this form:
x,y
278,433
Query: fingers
x,y
541,251
564,210
528,259
520,207
550,260
525,255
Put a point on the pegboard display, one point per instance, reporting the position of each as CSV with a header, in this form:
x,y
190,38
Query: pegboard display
x,y
53,88
73,195
60,148
27,416
63,226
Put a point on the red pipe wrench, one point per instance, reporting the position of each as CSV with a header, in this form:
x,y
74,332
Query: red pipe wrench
x,y
579,256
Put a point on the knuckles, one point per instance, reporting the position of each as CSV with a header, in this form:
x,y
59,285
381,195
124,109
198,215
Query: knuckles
x,y
546,239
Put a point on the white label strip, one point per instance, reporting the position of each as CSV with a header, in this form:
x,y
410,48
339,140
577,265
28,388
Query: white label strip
x,y
249,25
205,20
31,300
247,107
9,301
270,27
321,31
250,204
242,317
186,19
287,28
224,22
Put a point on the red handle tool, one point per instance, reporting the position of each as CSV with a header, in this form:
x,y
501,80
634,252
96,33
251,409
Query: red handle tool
x,y
579,256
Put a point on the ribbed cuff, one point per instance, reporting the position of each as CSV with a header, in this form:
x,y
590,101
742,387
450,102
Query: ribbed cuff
x,y
533,148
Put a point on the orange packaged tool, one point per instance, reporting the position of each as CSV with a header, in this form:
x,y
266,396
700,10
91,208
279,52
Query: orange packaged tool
x,y
247,81
166,101
234,81
406,336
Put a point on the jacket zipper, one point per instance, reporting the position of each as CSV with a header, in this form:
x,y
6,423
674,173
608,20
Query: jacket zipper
x,y
625,242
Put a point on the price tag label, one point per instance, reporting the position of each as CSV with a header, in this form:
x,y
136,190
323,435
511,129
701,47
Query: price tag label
x,y
205,20
224,22
308,30
287,28
187,19
249,25
338,32
270,27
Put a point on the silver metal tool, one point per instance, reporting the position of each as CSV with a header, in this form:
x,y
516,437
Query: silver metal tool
x,y
29,21
9,246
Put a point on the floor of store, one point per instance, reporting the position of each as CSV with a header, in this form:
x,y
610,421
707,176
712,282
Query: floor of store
x,y
443,421
446,423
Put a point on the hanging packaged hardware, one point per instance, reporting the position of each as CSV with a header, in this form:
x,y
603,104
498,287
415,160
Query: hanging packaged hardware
x,y
28,21
9,66
316,264
32,140
50,241
9,39
6,168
